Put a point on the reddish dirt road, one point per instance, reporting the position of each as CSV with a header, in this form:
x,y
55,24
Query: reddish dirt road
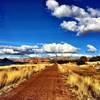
x,y
47,85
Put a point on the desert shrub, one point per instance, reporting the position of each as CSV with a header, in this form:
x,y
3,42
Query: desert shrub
x,y
82,60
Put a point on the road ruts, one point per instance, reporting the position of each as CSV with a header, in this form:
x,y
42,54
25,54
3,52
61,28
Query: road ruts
x,y
47,85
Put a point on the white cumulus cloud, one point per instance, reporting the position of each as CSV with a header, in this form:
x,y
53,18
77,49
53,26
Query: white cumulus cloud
x,y
7,51
86,20
17,49
91,48
52,4
94,12
53,47
84,25
70,25
62,11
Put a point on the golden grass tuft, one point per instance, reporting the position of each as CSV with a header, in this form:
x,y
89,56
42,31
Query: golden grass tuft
x,y
82,81
12,74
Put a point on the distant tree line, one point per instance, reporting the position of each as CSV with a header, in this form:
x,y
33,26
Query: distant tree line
x,y
96,58
80,61
84,59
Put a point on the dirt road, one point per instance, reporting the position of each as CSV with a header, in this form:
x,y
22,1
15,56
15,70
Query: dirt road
x,y
47,85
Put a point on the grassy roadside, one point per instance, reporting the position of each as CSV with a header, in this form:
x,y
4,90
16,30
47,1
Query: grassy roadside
x,y
82,80
12,75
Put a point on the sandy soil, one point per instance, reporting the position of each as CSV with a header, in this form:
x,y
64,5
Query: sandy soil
x,y
46,85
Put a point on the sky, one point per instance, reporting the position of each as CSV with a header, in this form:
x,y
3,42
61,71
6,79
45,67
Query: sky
x,y
52,22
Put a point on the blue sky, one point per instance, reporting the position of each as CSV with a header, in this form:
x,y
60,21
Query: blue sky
x,y
28,22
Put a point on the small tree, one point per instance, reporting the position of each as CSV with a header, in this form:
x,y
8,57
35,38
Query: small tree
x,y
82,60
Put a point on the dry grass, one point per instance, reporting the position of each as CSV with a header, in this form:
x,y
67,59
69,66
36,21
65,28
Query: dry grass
x,y
10,75
83,80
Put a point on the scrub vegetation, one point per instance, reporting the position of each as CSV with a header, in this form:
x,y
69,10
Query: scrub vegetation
x,y
12,75
82,80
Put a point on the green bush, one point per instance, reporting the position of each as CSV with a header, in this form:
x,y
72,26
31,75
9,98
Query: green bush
x,y
82,60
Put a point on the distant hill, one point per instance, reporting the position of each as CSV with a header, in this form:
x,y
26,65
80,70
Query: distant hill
x,y
7,61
